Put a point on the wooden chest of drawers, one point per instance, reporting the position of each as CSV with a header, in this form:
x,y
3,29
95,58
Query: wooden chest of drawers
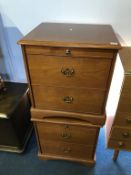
x,y
119,129
69,69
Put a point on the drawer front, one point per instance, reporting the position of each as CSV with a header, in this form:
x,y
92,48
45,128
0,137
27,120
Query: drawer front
x,y
127,84
67,133
121,133
69,72
69,99
120,144
123,119
67,150
125,103
73,52
78,118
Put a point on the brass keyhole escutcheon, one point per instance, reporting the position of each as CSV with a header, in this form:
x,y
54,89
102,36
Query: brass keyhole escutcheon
x,y
68,52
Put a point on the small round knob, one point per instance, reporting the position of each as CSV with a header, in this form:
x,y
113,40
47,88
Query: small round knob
x,y
120,144
128,120
125,134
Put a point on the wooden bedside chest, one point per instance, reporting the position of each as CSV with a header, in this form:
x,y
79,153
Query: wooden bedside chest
x,y
15,124
118,127
69,69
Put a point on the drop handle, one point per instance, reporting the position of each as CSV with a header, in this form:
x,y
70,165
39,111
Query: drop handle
x,y
66,135
68,99
68,52
66,150
125,134
68,72
66,126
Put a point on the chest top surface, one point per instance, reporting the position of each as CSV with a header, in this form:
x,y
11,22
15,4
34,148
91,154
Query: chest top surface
x,y
125,56
73,35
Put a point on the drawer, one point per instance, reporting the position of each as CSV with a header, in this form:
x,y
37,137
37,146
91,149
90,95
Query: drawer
x,y
73,52
67,133
69,99
120,133
64,149
119,144
127,84
69,72
123,119
125,103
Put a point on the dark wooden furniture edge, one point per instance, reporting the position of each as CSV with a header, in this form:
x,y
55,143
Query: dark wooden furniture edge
x,y
85,162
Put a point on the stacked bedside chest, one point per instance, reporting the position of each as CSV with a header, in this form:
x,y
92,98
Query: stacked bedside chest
x,y
69,69
119,127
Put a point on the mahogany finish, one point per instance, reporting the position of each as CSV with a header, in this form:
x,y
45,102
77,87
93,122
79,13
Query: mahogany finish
x,y
39,115
121,133
72,35
119,130
69,69
69,99
68,132
117,144
72,51
64,149
84,70
123,119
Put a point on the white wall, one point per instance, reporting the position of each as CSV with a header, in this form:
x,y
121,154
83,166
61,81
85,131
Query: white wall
x,y
22,16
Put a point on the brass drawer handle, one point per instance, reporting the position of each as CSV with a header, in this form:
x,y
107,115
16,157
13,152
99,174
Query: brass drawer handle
x,y
120,144
68,72
68,52
125,134
66,135
128,120
66,150
68,99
